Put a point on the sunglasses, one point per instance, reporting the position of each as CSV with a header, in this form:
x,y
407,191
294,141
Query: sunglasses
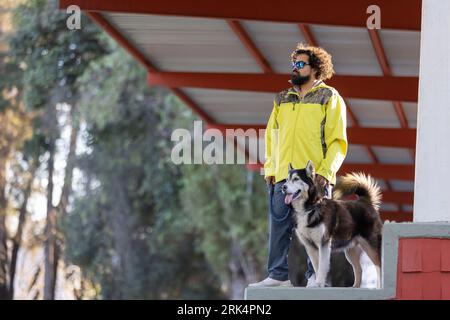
x,y
299,64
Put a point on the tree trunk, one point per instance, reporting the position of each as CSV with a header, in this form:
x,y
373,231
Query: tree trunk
x,y
18,237
33,282
4,290
241,272
122,239
50,233
70,164
56,245
252,273
238,278
35,278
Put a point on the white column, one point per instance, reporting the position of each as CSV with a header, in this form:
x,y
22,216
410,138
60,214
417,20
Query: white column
x,y
432,178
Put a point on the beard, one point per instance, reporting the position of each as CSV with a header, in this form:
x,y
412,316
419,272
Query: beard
x,y
299,80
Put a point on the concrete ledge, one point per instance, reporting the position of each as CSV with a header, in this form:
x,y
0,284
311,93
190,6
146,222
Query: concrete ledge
x,y
301,293
392,232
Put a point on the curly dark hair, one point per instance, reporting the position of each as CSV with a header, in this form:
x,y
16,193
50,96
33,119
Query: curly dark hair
x,y
319,59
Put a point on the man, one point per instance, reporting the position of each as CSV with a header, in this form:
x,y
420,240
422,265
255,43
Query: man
x,y
308,122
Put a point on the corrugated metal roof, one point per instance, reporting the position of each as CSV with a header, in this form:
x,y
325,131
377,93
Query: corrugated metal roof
x,y
351,49
410,109
393,155
209,45
402,185
276,41
402,50
374,113
186,44
357,154
236,107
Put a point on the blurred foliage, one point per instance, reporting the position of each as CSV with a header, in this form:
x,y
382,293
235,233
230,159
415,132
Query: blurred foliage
x,y
51,56
136,242
45,60
139,226
226,203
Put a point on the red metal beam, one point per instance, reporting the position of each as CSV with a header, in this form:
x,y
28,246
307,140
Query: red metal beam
x,y
396,216
307,34
223,126
365,87
249,44
384,65
381,171
400,114
116,35
253,167
387,137
402,197
379,51
331,12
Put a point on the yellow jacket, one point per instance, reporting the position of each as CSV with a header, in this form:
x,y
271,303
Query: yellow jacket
x,y
312,128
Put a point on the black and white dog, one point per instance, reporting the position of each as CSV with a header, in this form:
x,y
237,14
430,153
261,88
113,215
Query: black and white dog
x,y
326,225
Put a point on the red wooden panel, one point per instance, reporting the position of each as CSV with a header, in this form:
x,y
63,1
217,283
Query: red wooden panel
x,y
423,269
431,255
398,290
431,285
412,255
411,286
445,285
445,255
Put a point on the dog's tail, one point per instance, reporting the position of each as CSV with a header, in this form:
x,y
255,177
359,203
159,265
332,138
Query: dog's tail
x,y
360,184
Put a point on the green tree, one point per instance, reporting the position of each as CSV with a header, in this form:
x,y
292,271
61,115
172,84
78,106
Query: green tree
x,y
52,58
227,207
15,129
135,243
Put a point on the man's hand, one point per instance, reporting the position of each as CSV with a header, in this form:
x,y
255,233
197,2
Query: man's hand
x,y
270,180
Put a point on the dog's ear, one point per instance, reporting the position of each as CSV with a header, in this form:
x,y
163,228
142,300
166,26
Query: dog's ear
x,y
290,167
310,170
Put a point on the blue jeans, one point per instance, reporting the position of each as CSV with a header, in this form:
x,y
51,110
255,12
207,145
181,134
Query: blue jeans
x,y
280,231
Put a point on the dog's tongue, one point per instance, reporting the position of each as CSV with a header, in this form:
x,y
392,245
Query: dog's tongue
x,y
288,198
